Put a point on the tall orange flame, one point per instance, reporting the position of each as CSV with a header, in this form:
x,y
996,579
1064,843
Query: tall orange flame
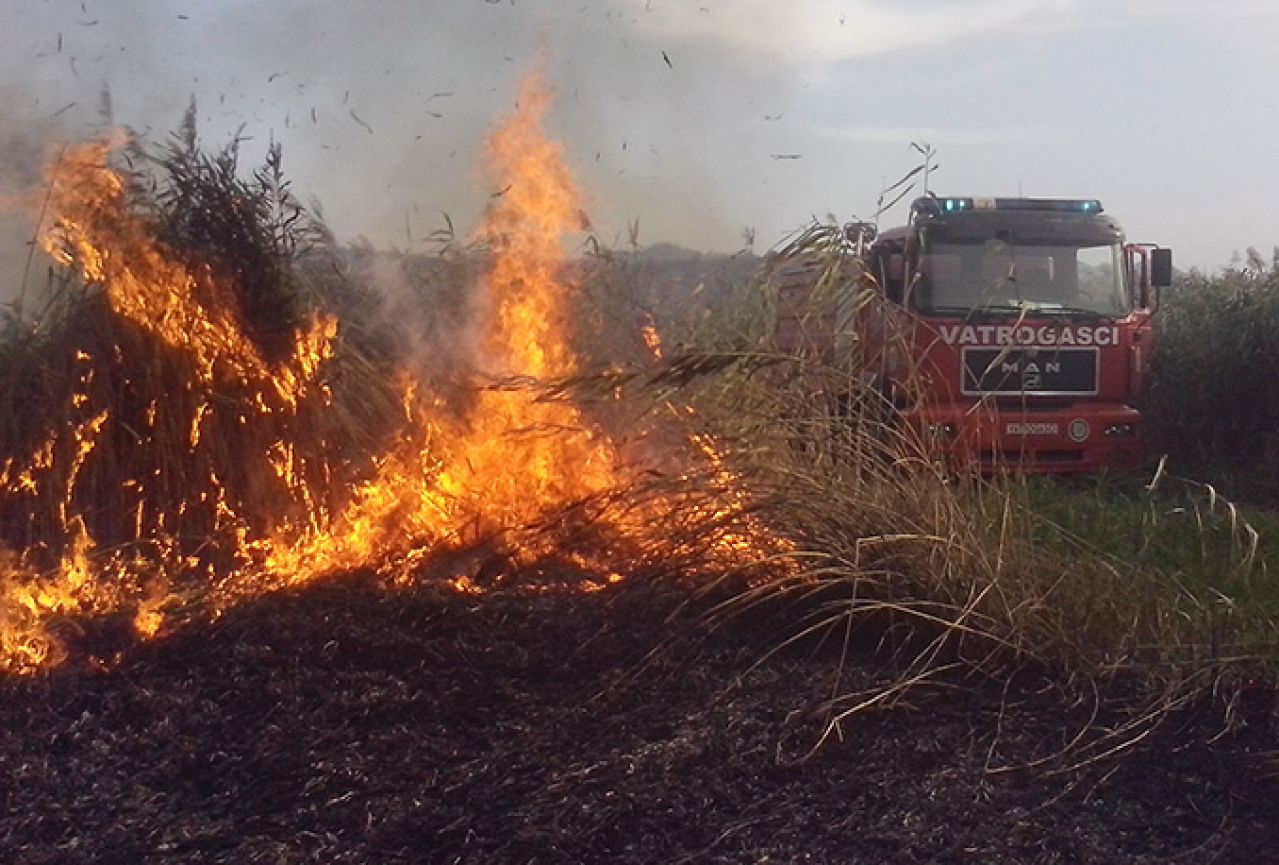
x,y
512,456
521,454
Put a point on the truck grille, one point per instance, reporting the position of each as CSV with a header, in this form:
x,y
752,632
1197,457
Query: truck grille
x,y
1029,370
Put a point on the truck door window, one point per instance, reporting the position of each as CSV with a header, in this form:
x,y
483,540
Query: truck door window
x,y
942,280
1099,283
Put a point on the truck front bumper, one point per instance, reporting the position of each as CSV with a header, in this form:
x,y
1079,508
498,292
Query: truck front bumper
x,y
1060,440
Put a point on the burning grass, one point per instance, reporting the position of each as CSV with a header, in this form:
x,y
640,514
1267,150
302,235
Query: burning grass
x,y
200,431
163,433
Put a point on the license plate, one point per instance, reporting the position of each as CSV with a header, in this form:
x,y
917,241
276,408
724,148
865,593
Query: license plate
x,y
1035,428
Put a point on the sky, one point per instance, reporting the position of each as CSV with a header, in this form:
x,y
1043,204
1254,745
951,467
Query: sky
x,y
700,121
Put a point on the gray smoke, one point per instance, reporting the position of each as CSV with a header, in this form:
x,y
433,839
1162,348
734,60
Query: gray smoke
x,y
30,138
695,118
382,108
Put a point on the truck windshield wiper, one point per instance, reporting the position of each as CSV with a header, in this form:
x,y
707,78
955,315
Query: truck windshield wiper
x,y
1029,310
1073,312
969,311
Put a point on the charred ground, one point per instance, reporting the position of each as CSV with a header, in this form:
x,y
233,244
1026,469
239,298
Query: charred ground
x,y
348,723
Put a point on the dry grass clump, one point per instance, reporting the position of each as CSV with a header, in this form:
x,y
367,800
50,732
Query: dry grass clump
x,y
889,537
945,574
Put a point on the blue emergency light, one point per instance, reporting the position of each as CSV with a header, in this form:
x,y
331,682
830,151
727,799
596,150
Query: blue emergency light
x,y
954,205
1057,205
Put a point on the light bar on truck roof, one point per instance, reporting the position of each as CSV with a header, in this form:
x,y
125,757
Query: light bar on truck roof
x,y
953,204
1059,205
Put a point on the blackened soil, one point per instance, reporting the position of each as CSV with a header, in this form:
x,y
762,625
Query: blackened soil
x,y
347,723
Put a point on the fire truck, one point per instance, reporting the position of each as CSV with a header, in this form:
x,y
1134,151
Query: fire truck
x,y
1007,333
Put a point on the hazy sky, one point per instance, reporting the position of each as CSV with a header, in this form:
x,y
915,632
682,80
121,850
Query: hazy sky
x,y
674,113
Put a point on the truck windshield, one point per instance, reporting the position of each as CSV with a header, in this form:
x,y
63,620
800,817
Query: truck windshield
x,y
994,276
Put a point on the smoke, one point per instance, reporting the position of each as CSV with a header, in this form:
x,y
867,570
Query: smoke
x,y
694,119
381,113
29,140
425,309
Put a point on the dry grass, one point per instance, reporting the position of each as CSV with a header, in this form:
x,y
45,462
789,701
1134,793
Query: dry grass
x,y
1161,586
945,576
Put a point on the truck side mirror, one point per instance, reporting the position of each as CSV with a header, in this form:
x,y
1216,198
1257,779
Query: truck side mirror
x,y
1161,267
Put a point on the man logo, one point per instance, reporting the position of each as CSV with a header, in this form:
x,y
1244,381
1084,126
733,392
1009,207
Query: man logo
x,y
1078,430
1030,368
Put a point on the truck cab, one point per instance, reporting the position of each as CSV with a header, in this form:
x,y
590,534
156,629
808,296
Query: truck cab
x,y
1010,332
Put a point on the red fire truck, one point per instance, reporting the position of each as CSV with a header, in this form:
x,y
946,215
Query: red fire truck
x,y
1006,332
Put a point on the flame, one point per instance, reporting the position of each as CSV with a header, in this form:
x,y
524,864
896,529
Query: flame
x,y
513,456
297,509
185,308
652,339
520,452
